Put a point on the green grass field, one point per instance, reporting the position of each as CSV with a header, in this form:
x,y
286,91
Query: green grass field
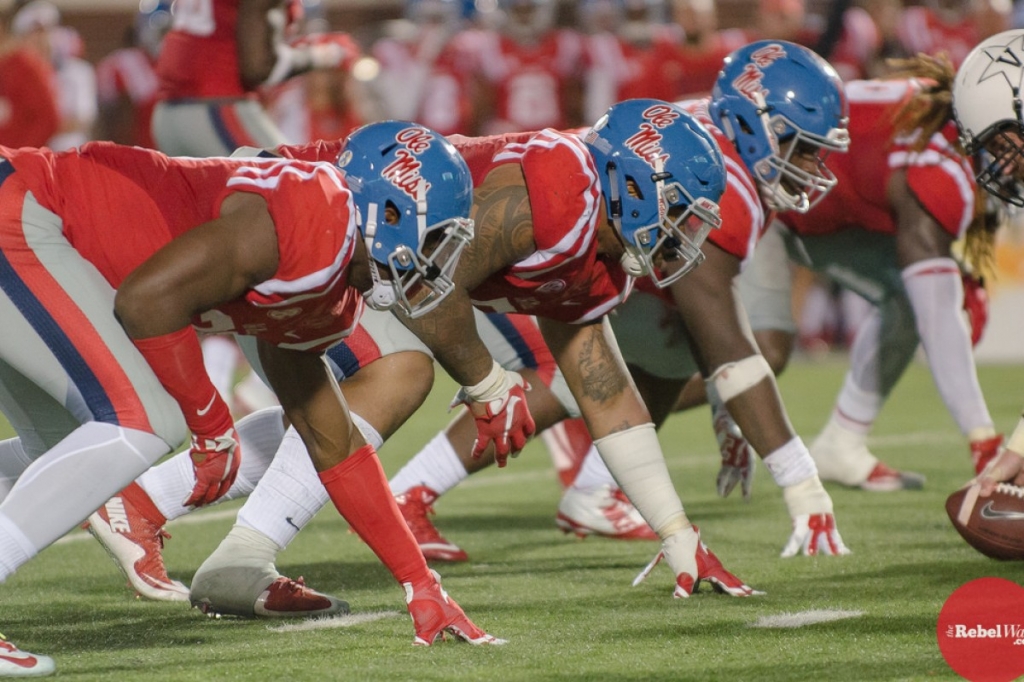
x,y
566,606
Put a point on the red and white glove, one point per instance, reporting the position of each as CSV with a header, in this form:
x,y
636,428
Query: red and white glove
x,y
331,50
814,525
215,461
737,456
498,404
815,534
984,451
975,305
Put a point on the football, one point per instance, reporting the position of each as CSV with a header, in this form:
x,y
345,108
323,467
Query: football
x,y
992,525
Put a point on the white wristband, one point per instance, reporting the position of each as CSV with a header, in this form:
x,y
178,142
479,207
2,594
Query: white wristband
x,y
494,386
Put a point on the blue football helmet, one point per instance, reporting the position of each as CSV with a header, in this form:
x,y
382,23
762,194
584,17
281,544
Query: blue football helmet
x,y
413,193
781,103
662,175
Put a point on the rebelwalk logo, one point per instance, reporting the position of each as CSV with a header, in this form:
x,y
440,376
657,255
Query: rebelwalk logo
x,y
981,630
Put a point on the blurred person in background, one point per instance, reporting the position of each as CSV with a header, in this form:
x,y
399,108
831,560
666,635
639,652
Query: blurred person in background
x,y
38,22
426,67
28,100
126,78
529,71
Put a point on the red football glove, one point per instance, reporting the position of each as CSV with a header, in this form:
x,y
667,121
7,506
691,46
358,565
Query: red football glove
x,y
975,305
216,462
498,404
737,456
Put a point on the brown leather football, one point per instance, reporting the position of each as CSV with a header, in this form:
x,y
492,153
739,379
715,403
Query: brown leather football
x,y
992,525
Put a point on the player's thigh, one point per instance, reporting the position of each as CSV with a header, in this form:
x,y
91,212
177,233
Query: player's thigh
x,y
652,337
60,333
212,128
862,261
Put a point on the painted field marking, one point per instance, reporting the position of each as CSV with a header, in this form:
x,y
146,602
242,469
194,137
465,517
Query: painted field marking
x,y
802,618
335,621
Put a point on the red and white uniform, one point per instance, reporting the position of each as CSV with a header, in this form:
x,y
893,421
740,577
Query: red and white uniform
x,y
921,29
617,69
107,208
696,68
28,99
131,73
529,79
940,177
203,108
565,279
434,89
743,214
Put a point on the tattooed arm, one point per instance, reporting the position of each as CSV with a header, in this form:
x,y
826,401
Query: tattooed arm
x,y
596,374
503,237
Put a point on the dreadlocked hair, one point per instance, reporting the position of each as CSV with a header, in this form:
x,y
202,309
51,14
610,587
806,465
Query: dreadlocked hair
x,y
932,107
980,238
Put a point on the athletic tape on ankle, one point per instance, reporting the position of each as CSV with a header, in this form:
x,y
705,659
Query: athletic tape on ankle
x,y
635,459
807,497
734,378
791,463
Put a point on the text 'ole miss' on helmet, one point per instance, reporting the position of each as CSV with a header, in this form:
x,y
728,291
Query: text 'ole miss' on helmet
x,y
662,175
784,109
413,193
989,111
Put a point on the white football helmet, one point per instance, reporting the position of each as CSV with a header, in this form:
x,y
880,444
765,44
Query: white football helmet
x,y
989,111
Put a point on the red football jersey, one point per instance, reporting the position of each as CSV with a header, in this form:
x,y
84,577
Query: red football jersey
x,y
939,176
119,205
565,279
529,80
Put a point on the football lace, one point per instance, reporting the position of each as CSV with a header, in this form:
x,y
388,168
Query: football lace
x,y
1010,489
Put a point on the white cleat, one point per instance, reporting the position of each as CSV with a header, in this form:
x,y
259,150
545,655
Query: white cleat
x,y
842,456
136,545
17,663
604,511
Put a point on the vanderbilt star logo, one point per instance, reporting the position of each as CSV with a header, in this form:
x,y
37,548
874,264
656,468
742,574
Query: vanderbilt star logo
x,y
1006,61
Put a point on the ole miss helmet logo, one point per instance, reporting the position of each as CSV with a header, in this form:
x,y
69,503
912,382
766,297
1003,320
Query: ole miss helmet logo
x,y
646,142
404,171
749,83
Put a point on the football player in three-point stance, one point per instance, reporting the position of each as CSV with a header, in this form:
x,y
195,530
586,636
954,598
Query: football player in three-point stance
x,y
212,242
563,227
987,108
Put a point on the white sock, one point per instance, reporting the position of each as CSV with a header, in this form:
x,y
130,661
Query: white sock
x,y
69,482
436,466
593,472
936,292
171,482
13,462
288,496
220,357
